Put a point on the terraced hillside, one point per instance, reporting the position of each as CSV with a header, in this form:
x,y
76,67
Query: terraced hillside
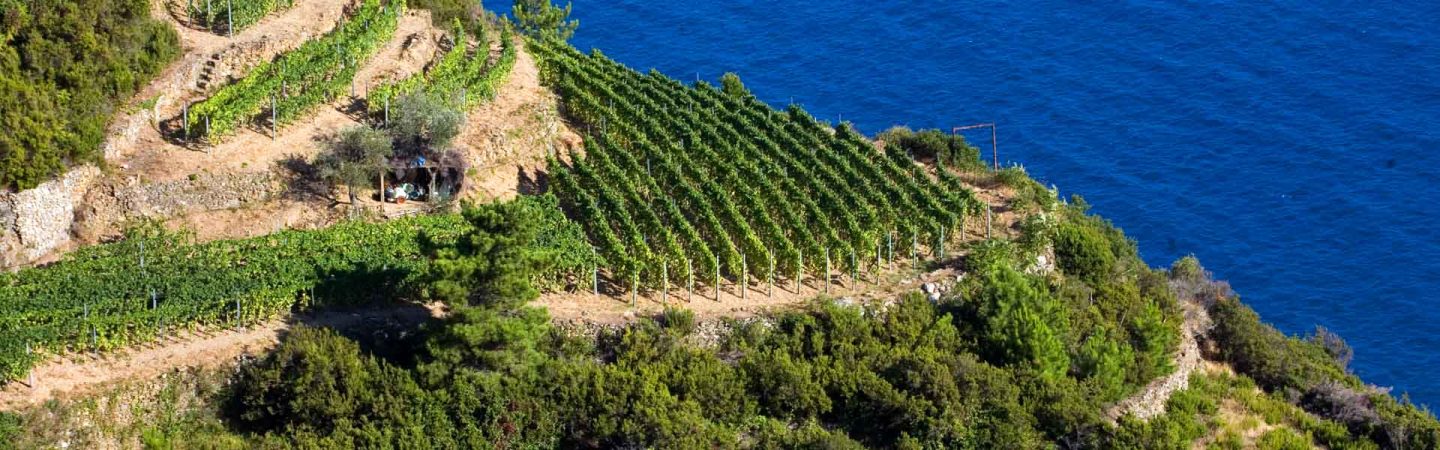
x,y
682,183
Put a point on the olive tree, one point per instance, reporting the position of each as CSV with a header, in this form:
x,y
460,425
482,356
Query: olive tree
x,y
353,158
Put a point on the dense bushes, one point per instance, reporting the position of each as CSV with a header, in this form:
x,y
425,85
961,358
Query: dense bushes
x,y
66,67
909,375
1310,372
1083,252
949,150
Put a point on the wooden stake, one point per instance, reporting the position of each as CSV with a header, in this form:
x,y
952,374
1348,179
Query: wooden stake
x,y
827,271
717,278
890,248
940,244
30,373
989,212
799,269
744,278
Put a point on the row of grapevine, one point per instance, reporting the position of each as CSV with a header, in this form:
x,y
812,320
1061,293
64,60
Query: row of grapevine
x,y
229,16
758,185
299,80
461,71
113,295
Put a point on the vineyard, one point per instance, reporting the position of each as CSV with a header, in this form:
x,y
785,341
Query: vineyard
x,y
460,73
287,88
230,16
680,183
109,296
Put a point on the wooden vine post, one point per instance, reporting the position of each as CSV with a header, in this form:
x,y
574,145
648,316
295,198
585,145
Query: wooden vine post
x,y
854,268
664,283
940,244
989,212
689,281
799,269
827,270
717,278
744,278
29,373
770,288
890,248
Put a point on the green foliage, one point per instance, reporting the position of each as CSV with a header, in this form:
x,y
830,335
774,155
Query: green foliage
x,y
506,248
443,12
458,80
1265,354
299,80
720,184
66,67
1306,367
424,122
1188,416
731,85
9,427
486,339
543,20
948,150
1029,194
1282,439
809,436
104,297
1023,324
227,16
355,158
319,381
1083,252
1105,360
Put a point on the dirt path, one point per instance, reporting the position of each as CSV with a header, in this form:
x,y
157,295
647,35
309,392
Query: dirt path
x,y
1150,401
153,158
179,84
79,374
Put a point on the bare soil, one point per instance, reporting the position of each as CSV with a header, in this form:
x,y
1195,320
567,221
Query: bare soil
x,y
507,139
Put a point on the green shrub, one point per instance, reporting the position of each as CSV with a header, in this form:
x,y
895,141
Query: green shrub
x,y
1282,439
1083,252
1022,323
317,380
949,150
66,67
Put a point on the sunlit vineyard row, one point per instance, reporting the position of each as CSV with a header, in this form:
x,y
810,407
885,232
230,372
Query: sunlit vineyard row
x,y
679,182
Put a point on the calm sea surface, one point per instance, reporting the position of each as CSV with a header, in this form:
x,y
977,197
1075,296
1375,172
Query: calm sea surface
x,y
1291,145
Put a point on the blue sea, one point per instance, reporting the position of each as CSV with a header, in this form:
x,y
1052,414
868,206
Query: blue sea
x,y
1290,145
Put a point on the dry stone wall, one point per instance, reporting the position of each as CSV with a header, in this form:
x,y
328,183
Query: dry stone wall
x,y
85,206
39,220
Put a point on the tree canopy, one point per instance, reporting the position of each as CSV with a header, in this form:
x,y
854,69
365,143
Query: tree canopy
x,y
544,20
